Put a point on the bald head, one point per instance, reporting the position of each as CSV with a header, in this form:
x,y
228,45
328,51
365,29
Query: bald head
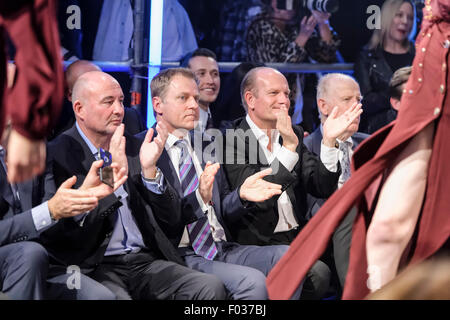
x,y
330,82
337,90
74,71
91,83
98,105
249,83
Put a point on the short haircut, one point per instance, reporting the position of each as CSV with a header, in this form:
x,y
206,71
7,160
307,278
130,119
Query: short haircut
x,y
398,81
248,84
161,81
325,81
200,52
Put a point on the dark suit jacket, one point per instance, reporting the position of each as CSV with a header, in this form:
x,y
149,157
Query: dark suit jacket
x,y
68,242
313,143
16,224
227,203
309,175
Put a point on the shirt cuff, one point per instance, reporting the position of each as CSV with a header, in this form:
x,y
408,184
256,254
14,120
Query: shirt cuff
x,y
329,157
41,216
155,185
287,158
205,207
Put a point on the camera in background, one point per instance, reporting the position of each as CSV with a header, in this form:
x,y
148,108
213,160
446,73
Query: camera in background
x,y
330,6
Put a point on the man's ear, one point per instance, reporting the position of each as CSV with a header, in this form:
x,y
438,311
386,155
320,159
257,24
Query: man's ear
x,y
79,109
323,107
250,99
157,107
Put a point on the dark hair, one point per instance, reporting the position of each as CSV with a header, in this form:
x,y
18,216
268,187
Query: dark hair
x,y
200,52
398,81
229,102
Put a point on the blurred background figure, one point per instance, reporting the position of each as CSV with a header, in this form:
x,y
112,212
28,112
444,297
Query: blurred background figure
x,y
389,49
294,36
429,280
228,106
397,85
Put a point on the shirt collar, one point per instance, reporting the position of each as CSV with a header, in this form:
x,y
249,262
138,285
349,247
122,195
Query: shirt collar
x,y
172,139
88,142
261,134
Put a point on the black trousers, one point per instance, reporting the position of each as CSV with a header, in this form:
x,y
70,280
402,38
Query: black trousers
x,y
140,276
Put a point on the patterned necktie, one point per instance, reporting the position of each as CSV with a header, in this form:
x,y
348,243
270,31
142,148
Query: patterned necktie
x,y
200,233
345,162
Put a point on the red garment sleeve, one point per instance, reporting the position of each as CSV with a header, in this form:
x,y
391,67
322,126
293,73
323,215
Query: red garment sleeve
x,y
34,103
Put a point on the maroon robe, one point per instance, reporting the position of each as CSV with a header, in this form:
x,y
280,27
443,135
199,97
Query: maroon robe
x,y
34,103
424,101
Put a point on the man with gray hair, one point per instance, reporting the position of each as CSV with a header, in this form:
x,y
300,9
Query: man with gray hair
x,y
341,91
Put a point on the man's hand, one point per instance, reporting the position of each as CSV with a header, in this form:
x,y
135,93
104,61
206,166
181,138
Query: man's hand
x,y
151,150
206,182
25,158
256,189
68,202
284,126
117,148
339,127
96,187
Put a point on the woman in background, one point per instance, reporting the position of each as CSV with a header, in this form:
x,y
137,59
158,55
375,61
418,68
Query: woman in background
x,y
290,36
389,49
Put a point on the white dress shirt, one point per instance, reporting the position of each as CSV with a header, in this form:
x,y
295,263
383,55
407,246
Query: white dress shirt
x,y
287,220
174,152
202,119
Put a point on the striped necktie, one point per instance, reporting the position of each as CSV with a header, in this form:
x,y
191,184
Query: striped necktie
x,y
200,233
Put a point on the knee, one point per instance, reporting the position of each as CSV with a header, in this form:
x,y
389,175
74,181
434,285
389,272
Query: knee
x,y
212,288
253,286
32,255
317,281
278,253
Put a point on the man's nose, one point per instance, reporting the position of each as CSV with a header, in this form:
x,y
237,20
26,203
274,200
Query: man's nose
x,y
283,99
192,103
118,107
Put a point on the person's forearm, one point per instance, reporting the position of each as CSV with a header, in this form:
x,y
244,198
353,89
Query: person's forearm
x,y
325,33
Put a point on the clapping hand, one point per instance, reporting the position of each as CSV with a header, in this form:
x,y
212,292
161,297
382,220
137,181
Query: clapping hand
x,y
256,189
117,148
338,126
284,126
151,149
206,182
68,202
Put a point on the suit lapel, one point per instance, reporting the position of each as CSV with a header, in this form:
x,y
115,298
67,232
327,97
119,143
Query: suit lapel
x,y
166,166
80,149
5,188
26,195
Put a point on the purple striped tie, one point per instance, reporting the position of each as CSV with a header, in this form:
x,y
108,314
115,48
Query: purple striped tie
x,y
199,231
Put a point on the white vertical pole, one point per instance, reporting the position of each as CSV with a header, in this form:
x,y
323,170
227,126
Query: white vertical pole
x,y
156,23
